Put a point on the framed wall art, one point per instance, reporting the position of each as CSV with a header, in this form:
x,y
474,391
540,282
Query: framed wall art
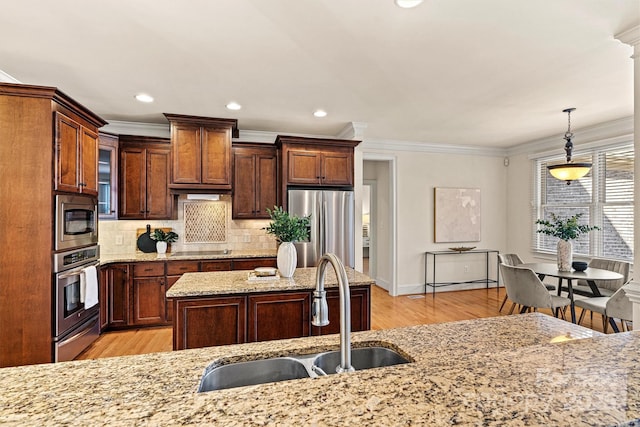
x,y
457,215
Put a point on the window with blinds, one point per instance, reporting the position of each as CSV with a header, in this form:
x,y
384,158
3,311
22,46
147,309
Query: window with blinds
x,y
604,197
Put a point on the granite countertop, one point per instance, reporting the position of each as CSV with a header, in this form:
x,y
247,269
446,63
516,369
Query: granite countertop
x,y
237,282
153,256
494,371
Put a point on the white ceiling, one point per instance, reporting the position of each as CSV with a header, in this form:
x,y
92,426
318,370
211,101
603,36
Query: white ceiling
x,y
491,73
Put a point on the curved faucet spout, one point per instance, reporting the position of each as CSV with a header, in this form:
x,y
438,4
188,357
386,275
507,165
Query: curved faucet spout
x,y
320,310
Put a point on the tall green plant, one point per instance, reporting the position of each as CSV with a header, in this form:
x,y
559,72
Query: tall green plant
x,y
287,228
565,229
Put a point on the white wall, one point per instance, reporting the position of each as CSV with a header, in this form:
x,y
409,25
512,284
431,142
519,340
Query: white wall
x,y
418,173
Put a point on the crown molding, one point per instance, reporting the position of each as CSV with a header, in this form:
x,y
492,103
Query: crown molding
x,y
353,130
392,145
140,129
631,37
588,137
7,78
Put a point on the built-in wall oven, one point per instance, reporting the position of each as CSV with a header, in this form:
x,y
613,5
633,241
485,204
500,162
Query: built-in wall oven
x,y
76,221
76,325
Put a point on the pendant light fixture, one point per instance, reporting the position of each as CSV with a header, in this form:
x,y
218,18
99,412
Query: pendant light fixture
x,y
569,171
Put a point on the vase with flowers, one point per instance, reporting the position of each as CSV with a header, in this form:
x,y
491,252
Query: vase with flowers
x,y
287,229
565,230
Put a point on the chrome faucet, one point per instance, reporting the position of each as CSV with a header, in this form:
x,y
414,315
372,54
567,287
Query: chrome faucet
x,y
320,310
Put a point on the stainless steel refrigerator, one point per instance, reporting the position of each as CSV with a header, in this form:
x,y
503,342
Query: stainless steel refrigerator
x,y
332,224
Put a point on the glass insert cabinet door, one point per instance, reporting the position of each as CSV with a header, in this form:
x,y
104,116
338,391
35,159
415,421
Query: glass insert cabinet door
x,y
107,177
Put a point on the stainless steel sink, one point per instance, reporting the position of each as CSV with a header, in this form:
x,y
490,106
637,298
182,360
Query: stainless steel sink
x,y
361,358
252,373
218,377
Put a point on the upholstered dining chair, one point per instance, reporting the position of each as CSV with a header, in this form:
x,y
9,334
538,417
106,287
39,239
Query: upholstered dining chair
x,y
524,287
606,287
617,306
513,260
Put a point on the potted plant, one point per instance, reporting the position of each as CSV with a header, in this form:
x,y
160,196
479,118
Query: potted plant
x,y
565,230
287,229
162,239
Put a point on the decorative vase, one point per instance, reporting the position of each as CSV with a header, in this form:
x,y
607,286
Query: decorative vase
x,y
161,247
287,259
565,255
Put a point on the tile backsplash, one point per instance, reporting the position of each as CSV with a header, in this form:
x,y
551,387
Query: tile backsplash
x,y
117,237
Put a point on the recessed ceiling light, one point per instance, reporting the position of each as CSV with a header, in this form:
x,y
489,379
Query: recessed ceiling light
x,y
143,97
233,106
407,4
320,113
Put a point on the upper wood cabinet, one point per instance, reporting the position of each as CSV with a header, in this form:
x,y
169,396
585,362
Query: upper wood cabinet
x,y
76,156
144,178
315,162
201,152
108,176
255,177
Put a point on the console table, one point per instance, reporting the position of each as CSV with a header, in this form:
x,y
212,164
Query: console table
x,y
435,254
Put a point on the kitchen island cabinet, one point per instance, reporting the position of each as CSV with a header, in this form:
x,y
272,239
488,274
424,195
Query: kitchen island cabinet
x,y
275,308
506,371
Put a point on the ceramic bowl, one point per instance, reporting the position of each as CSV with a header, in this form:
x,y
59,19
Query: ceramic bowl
x,y
579,265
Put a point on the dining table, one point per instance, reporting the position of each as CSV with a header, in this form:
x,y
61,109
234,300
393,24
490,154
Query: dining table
x,y
590,275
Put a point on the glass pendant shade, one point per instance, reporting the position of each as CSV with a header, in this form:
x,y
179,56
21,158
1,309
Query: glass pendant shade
x,y
569,171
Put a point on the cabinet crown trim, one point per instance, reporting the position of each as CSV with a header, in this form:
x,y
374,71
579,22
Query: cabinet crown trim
x,y
324,142
204,121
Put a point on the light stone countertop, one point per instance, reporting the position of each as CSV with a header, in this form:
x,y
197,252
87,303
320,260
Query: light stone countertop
x,y
494,371
153,256
232,282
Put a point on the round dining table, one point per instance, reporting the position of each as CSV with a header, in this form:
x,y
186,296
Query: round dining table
x,y
590,275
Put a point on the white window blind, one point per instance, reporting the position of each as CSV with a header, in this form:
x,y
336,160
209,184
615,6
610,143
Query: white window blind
x,y
604,197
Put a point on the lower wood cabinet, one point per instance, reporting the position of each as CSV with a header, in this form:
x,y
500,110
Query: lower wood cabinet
x,y
205,322
278,315
233,319
134,294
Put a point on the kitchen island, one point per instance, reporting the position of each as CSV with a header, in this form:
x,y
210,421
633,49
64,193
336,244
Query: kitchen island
x,y
232,307
494,371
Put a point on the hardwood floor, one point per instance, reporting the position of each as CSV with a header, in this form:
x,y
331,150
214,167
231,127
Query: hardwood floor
x,y
386,312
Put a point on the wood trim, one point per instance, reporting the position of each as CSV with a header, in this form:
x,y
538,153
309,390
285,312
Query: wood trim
x,y
204,121
320,142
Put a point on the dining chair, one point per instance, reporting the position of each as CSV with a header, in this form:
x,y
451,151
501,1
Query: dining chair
x,y
513,260
617,306
524,287
606,287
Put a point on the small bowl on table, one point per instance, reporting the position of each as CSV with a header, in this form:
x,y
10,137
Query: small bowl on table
x,y
579,265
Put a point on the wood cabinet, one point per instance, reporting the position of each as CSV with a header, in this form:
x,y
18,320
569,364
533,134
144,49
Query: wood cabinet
x,y
268,316
251,263
255,178
278,315
116,300
204,322
201,152
76,156
360,311
144,178
107,176
217,265
175,270
148,293
31,168
315,162
134,294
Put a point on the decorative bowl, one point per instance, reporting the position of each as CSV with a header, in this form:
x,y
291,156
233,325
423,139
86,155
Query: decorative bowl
x,y
579,265
463,248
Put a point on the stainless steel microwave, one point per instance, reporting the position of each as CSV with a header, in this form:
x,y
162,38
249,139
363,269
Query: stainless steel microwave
x,y
76,221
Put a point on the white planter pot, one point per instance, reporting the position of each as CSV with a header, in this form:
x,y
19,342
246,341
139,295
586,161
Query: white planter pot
x,y
565,255
287,259
161,247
